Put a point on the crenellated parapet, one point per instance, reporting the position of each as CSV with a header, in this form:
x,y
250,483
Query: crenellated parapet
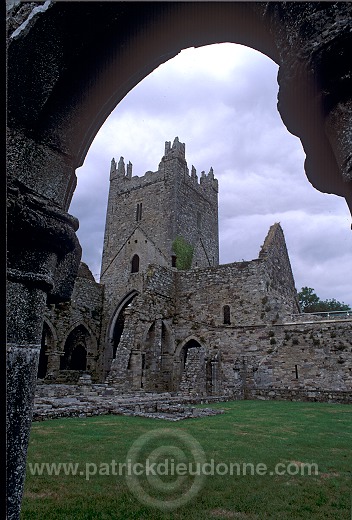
x,y
172,164
119,170
177,150
208,180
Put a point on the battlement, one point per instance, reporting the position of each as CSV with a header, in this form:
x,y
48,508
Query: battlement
x,y
119,170
177,150
166,168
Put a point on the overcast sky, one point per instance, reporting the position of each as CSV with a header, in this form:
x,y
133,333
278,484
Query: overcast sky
x,y
220,100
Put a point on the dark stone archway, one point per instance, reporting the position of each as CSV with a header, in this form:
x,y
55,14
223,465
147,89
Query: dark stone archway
x,y
75,350
69,65
115,330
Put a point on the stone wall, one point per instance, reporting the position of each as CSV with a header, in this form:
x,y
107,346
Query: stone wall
x,y
78,321
178,338
255,351
315,357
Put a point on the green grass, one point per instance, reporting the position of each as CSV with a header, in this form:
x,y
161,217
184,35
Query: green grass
x,y
264,432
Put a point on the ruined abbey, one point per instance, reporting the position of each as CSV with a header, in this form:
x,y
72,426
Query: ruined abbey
x,y
233,330
166,317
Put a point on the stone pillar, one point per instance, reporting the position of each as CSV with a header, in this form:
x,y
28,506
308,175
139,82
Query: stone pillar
x,y
43,259
214,377
136,369
176,375
53,367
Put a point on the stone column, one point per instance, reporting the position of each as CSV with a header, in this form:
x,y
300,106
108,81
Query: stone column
x,y
214,377
43,258
136,369
53,368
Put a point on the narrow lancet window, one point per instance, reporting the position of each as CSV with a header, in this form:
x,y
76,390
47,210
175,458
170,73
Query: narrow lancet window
x,y
227,315
135,264
139,212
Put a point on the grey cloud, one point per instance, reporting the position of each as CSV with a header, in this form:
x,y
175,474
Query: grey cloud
x,y
229,122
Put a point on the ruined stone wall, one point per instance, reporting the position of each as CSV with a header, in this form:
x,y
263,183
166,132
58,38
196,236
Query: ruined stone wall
x,y
310,356
282,294
85,310
140,357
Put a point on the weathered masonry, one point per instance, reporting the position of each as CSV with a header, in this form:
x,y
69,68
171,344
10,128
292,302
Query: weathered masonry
x,y
156,325
82,71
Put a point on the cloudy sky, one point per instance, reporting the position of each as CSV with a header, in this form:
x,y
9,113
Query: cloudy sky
x,y
221,101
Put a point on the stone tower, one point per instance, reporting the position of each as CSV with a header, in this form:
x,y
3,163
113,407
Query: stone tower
x,y
146,214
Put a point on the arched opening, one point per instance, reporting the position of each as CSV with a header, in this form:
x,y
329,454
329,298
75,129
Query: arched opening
x,y
79,358
192,343
261,164
135,264
119,322
75,350
48,363
193,369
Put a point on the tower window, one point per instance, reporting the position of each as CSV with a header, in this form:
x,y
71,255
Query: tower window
x,y
227,315
199,220
139,212
135,264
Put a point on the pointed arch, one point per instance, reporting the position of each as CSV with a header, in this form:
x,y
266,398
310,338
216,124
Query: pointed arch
x,y
189,339
192,343
117,323
76,348
48,342
123,303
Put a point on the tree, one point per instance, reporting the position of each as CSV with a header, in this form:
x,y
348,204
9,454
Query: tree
x,y
310,302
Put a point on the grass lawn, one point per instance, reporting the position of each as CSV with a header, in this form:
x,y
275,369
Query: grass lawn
x,y
261,434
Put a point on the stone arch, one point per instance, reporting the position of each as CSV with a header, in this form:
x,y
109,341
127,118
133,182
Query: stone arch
x,y
115,329
48,344
51,328
126,300
69,115
192,376
191,343
192,338
76,348
180,358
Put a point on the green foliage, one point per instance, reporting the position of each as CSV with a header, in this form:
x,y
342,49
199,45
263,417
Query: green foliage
x,y
184,253
310,302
